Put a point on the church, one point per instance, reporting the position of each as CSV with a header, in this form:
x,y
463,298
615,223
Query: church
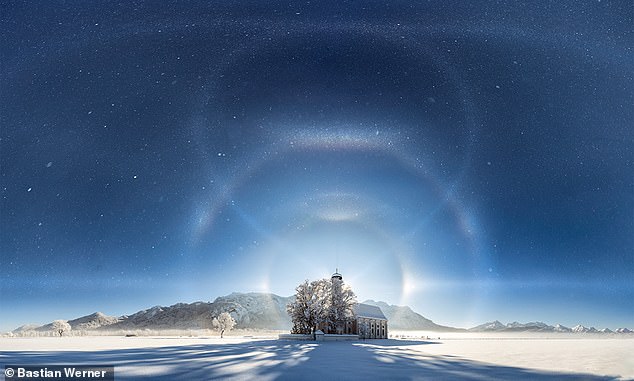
x,y
369,321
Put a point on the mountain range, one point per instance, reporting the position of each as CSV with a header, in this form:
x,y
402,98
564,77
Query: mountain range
x,y
496,326
268,311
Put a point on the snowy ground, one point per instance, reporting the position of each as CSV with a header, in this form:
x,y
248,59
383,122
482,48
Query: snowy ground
x,y
468,357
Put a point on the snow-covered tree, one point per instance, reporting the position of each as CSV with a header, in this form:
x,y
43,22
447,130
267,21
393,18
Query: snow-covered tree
x,y
224,322
322,302
363,328
341,306
310,307
61,326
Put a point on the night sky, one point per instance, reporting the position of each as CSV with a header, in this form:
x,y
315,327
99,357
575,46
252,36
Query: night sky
x,y
473,160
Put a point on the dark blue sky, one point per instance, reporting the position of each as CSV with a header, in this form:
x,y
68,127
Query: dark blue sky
x,y
473,160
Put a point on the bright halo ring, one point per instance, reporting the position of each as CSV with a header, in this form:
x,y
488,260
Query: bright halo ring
x,y
343,207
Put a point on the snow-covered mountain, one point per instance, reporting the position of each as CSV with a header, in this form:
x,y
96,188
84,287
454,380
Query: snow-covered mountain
x,y
255,310
89,322
491,326
268,311
561,328
403,318
93,321
252,310
536,326
26,328
582,329
496,326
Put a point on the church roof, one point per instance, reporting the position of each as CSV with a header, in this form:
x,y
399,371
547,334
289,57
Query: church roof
x,y
368,311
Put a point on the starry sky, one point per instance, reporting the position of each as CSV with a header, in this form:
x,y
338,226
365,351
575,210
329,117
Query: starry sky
x,y
473,160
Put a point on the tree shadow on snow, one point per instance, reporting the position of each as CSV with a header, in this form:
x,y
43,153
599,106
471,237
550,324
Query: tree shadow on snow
x,y
289,360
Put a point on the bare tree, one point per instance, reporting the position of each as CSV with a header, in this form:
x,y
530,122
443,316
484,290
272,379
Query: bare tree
x,y
224,322
61,326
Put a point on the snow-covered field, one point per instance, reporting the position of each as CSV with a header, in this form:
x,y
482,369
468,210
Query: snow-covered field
x,y
456,356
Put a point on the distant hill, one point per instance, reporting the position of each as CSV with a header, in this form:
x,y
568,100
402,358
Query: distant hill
x,y
26,328
403,318
491,326
89,322
93,321
496,326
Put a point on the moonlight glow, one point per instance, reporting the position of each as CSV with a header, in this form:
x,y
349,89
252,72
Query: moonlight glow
x,y
471,160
